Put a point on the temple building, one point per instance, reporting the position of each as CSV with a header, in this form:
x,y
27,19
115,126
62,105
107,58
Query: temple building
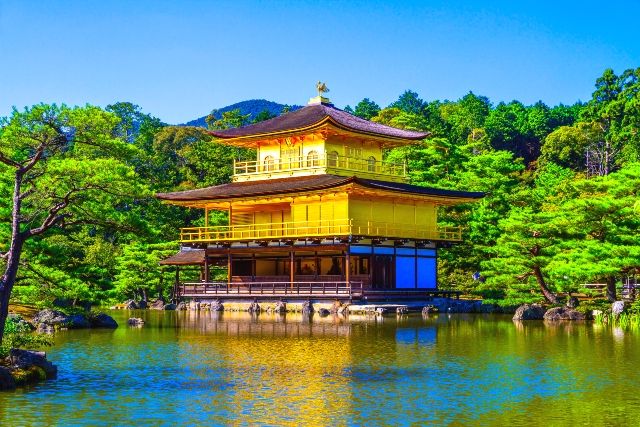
x,y
318,214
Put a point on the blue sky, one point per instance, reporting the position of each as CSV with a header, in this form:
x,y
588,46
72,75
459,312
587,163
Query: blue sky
x,y
180,59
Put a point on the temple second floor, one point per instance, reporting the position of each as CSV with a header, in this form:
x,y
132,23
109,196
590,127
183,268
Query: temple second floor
x,y
320,207
318,139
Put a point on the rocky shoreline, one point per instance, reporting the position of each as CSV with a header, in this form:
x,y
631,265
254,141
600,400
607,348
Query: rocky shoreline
x,y
25,367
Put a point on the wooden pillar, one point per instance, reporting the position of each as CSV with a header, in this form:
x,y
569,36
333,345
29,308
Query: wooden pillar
x,y
229,272
347,261
253,267
206,217
317,261
291,268
206,267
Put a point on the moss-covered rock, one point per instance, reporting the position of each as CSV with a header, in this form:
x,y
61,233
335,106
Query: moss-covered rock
x,y
29,375
7,382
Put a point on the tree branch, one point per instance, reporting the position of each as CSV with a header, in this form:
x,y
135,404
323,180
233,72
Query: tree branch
x,y
7,161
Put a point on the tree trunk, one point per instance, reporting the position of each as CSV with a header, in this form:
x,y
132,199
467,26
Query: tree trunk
x,y
7,281
549,296
13,257
611,288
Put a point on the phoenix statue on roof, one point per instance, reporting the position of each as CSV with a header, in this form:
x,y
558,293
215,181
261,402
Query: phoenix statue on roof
x,y
322,88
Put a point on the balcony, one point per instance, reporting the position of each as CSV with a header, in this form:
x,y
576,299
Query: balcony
x,y
329,163
317,229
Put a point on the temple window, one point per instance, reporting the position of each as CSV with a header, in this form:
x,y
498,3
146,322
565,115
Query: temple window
x,y
371,164
269,163
313,159
354,152
332,159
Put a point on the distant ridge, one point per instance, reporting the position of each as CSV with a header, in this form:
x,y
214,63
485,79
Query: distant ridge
x,y
252,106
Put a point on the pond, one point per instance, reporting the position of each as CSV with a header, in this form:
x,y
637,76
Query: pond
x,y
205,368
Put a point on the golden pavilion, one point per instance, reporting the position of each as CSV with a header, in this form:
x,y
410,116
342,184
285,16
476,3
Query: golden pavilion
x,y
319,214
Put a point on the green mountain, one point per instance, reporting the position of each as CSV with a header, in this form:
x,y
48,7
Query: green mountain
x,y
252,106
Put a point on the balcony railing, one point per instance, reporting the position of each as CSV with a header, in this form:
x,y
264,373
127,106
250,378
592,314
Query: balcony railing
x,y
330,228
326,162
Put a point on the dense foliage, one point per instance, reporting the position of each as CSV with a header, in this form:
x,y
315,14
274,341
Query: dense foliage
x,y
562,183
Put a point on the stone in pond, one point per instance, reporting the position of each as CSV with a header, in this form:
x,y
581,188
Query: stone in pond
x,y
563,313
135,321
103,321
529,312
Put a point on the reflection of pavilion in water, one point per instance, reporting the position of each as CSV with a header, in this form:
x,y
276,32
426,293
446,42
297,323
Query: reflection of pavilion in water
x,y
278,369
281,368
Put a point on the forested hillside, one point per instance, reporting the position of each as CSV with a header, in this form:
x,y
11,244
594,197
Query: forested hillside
x,y
562,184
251,108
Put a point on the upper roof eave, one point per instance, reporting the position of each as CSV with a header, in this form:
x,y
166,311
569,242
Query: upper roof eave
x,y
312,117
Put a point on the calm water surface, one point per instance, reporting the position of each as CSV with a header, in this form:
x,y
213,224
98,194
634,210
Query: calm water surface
x,y
209,369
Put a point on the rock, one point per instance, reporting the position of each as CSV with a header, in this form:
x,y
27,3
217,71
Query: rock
x,y
7,382
402,310
24,359
181,306
216,306
429,309
130,305
135,321
344,309
169,306
335,307
572,302
194,305
142,304
323,312
28,375
43,328
307,308
529,312
254,307
157,305
617,308
50,317
563,313
77,321
103,321
204,306
380,311
280,307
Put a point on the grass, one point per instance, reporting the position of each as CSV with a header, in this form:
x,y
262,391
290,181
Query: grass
x,y
625,320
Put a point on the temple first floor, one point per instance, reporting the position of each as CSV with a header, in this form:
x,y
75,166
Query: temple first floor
x,y
325,270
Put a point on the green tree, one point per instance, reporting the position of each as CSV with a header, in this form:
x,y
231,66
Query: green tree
x,y
139,275
521,258
263,115
366,109
603,214
67,168
409,102
228,119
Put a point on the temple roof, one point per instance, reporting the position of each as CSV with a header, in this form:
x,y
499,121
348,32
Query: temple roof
x,y
185,257
302,184
313,116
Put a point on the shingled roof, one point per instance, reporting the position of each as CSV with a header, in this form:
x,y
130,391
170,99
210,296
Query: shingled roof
x,y
302,184
316,115
185,257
